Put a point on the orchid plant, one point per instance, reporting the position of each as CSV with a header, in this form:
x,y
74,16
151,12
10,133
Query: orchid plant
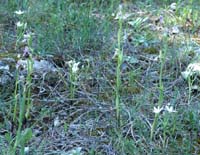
x,y
73,76
23,100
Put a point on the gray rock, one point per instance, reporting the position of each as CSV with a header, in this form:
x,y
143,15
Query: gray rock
x,y
41,66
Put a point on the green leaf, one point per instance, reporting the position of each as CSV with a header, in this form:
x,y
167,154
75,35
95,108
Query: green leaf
x,y
26,135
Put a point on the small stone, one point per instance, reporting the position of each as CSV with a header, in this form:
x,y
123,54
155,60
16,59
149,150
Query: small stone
x,y
4,67
41,66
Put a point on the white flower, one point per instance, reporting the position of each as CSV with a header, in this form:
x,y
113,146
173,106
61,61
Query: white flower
x,y
173,6
70,63
73,65
116,54
19,24
28,35
119,13
170,109
18,56
56,122
157,110
175,30
26,149
19,12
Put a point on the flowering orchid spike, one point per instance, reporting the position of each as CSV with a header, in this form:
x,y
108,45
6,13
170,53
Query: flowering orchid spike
x,y
19,24
157,110
19,12
75,67
26,52
170,109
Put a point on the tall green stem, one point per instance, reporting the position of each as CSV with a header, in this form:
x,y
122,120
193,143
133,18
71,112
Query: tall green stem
x,y
118,76
161,88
